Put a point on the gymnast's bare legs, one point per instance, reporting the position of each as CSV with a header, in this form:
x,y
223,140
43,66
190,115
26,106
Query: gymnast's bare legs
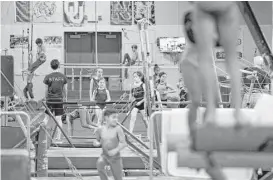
x,y
211,17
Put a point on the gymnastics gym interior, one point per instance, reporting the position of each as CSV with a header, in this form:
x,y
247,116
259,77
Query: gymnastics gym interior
x,y
85,36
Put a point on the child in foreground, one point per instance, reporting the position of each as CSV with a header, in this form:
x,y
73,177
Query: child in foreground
x,y
112,140
216,24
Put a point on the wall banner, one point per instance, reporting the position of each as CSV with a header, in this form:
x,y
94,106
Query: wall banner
x,y
53,41
18,41
22,11
74,13
47,11
121,12
144,9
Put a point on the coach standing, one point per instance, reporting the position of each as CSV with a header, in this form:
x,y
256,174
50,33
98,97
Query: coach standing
x,y
56,89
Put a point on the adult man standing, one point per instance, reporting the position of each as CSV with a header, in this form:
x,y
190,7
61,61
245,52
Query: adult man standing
x,y
56,89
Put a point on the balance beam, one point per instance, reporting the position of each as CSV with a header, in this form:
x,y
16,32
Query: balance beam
x,y
258,136
208,138
226,159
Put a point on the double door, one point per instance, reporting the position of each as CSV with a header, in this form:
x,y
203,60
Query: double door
x,y
80,49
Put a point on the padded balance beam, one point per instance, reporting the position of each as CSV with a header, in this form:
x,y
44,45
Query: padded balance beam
x,y
93,172
98,178
226,159
258,136
86,103
208,138
76,143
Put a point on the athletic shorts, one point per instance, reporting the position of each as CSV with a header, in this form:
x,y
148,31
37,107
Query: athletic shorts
x,y
140,107
58,109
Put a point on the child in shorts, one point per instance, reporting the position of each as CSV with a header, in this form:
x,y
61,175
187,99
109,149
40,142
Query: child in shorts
x,y
40,59
40,56
112,140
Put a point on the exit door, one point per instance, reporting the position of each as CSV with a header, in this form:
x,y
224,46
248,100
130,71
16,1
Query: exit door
x,y
80,49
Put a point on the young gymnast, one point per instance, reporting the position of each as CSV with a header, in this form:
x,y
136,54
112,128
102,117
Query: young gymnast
x,y
112,140
255,84
40,59
183,94
156,74
94,83
196,66
100,95
56,88
163,87
129,61
40,56
138,95
216,23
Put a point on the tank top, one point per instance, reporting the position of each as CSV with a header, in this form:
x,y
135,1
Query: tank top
x,y
161,87
101,97
138,92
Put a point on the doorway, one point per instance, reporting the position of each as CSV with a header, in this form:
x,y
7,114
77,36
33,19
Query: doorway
x,y
80,48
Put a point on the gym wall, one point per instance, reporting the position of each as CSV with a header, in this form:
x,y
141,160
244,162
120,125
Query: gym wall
x,y
168,17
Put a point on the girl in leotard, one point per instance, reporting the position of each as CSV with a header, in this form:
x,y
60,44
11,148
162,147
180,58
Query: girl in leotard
x,y
100,95
217,23
94,83
210,25
183,94
163,87
137,94
156,74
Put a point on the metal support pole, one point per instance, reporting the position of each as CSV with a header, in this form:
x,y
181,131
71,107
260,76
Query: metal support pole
x,y
42,159
217,81
69,128
96,34
151,154
6,106
73,80
80,85
149,84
